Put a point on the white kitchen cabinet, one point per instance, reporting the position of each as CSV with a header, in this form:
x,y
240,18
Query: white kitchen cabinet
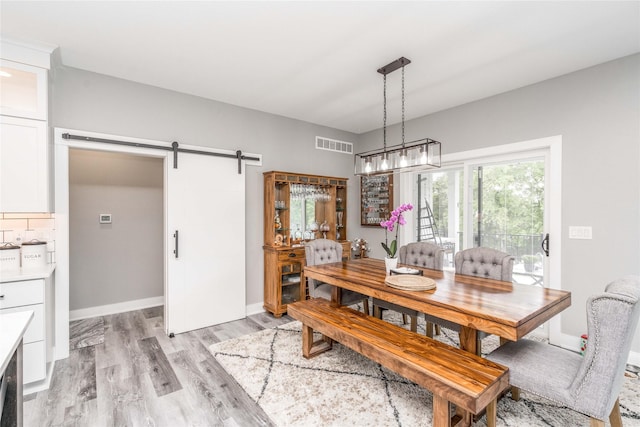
x,y
37,296
23,90
24,172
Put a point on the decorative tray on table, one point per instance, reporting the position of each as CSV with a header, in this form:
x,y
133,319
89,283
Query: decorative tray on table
x,y
410,282
406,270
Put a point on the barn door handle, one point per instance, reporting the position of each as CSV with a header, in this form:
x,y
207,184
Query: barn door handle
x,y
545,244
175,251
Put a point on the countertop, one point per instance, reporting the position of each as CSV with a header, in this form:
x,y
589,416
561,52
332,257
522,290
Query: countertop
x,y
12,328
27,274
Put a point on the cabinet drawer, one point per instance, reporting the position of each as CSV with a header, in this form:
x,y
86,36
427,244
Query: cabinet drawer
x,y
16,294
35,331
34,364
294,254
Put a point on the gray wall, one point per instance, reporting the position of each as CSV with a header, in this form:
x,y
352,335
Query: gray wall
x,y
597,112
93,102
121,261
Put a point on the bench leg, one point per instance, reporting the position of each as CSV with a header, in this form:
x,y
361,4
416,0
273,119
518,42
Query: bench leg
x,y
441,412
492,413
312,348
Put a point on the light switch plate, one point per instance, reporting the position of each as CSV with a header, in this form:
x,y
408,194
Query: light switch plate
x,y
580,232
105,218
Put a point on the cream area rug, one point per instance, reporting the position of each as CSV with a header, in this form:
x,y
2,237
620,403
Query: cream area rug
x,y
343,388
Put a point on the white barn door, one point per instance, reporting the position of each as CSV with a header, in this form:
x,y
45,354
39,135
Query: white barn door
x,y
205,280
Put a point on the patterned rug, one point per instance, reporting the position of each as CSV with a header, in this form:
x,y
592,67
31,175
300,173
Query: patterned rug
x,y
343,388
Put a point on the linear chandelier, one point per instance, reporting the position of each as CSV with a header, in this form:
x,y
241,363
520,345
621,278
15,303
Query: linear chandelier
x,y
418,154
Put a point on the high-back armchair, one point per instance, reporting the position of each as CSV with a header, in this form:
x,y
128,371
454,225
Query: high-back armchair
x,y
325,251
480,262
419,254
484,262
590,384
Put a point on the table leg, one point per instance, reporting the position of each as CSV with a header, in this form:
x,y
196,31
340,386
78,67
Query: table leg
x,y
336,294
469,339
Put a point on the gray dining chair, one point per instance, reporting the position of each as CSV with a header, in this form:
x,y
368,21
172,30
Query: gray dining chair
x,y
419,254
325,251
478,262
588,384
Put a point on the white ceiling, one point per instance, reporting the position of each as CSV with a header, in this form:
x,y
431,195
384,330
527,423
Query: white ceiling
x,y
316,61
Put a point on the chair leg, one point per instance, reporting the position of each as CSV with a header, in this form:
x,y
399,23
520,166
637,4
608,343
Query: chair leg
x,y
438,331
414,323
377,312
594,422
615,418
429,329
404,319
365,305
515,393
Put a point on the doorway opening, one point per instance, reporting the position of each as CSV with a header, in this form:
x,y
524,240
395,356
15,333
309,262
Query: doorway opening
x,y
116,227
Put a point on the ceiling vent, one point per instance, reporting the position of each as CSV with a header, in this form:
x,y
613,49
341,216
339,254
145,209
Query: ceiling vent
x,y
329,144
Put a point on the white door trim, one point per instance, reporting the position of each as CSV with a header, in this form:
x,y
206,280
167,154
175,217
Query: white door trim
x,y
61,187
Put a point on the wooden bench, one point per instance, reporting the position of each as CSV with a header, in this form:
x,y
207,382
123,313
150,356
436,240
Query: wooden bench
x,y
452,375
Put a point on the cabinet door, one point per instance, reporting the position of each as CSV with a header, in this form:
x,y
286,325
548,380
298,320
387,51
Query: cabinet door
x,y
23,165
291,279
24,90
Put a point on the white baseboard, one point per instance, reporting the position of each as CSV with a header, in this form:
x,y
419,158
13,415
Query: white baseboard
x,y
37,386
254,309
121,307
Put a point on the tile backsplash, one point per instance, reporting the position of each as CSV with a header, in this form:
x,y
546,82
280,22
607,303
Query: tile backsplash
x,y
17,228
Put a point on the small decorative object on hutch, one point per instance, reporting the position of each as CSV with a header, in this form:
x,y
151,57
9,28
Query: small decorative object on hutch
x,y
376,199
289,199
360,247
395,221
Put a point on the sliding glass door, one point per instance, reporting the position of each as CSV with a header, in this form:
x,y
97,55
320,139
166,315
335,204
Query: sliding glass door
x,y
490,202
506,212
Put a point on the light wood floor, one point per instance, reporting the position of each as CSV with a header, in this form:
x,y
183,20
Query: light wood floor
x,y
140,377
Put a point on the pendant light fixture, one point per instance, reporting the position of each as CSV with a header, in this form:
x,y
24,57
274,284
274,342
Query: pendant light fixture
x,y
418,154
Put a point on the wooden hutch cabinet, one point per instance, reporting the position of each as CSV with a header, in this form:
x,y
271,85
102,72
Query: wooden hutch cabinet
x,y
284,236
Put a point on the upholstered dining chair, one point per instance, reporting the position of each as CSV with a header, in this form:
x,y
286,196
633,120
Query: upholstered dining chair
x,y
419,254
588,384
325,251
479,262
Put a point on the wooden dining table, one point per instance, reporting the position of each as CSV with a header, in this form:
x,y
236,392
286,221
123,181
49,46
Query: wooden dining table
x,y
505,309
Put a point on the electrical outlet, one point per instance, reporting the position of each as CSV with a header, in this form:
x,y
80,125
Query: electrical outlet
x,y
580,232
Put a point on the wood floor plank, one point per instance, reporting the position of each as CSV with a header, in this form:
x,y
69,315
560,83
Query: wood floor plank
x,y
211,410
86,332
127,401
150,312
127,380
160,371
240,406
240,327
84,374
82,414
